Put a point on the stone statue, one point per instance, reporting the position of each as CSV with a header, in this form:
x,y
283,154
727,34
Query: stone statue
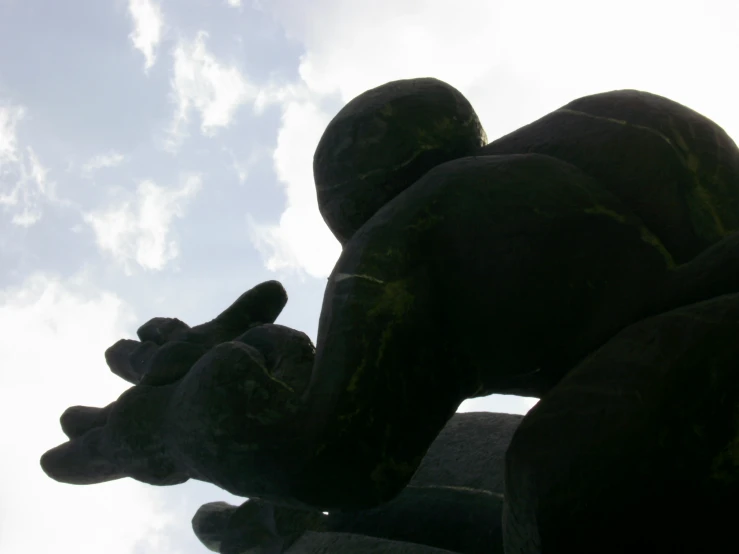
x,y
589,259
454,501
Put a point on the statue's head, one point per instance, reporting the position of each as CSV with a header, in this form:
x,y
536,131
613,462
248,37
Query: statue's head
x,y
383,141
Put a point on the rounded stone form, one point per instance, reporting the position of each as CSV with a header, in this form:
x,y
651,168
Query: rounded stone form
x,y
383,141
675,168
635,450
210,522
78,420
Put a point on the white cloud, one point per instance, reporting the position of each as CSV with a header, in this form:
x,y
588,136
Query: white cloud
x,y
242,167
109,159
147,32
514,61
24,183
139,231
9,118
234,3
203,84
343,53
54,335
215,90
301,239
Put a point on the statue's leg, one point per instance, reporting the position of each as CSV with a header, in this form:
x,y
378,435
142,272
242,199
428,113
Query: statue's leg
x,y
483,272
635,450
380,390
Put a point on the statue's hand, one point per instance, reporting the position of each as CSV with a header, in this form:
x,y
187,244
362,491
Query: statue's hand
x,y
233,419
168,347
129,436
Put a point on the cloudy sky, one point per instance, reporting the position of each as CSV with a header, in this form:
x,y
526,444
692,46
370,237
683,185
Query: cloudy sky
x,y
155,160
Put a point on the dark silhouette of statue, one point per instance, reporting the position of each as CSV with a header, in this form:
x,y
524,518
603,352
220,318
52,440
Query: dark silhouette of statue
x,y
589,259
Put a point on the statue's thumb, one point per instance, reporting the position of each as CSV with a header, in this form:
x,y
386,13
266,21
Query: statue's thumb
x,y
257,306
261,304
79,461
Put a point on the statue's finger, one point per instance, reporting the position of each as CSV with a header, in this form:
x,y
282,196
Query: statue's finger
x,y
160,329
79,462
140,358
118,358
78,420
171,362
259,305
129,359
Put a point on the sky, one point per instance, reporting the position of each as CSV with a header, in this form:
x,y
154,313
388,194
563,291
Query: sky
x,y
156,160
